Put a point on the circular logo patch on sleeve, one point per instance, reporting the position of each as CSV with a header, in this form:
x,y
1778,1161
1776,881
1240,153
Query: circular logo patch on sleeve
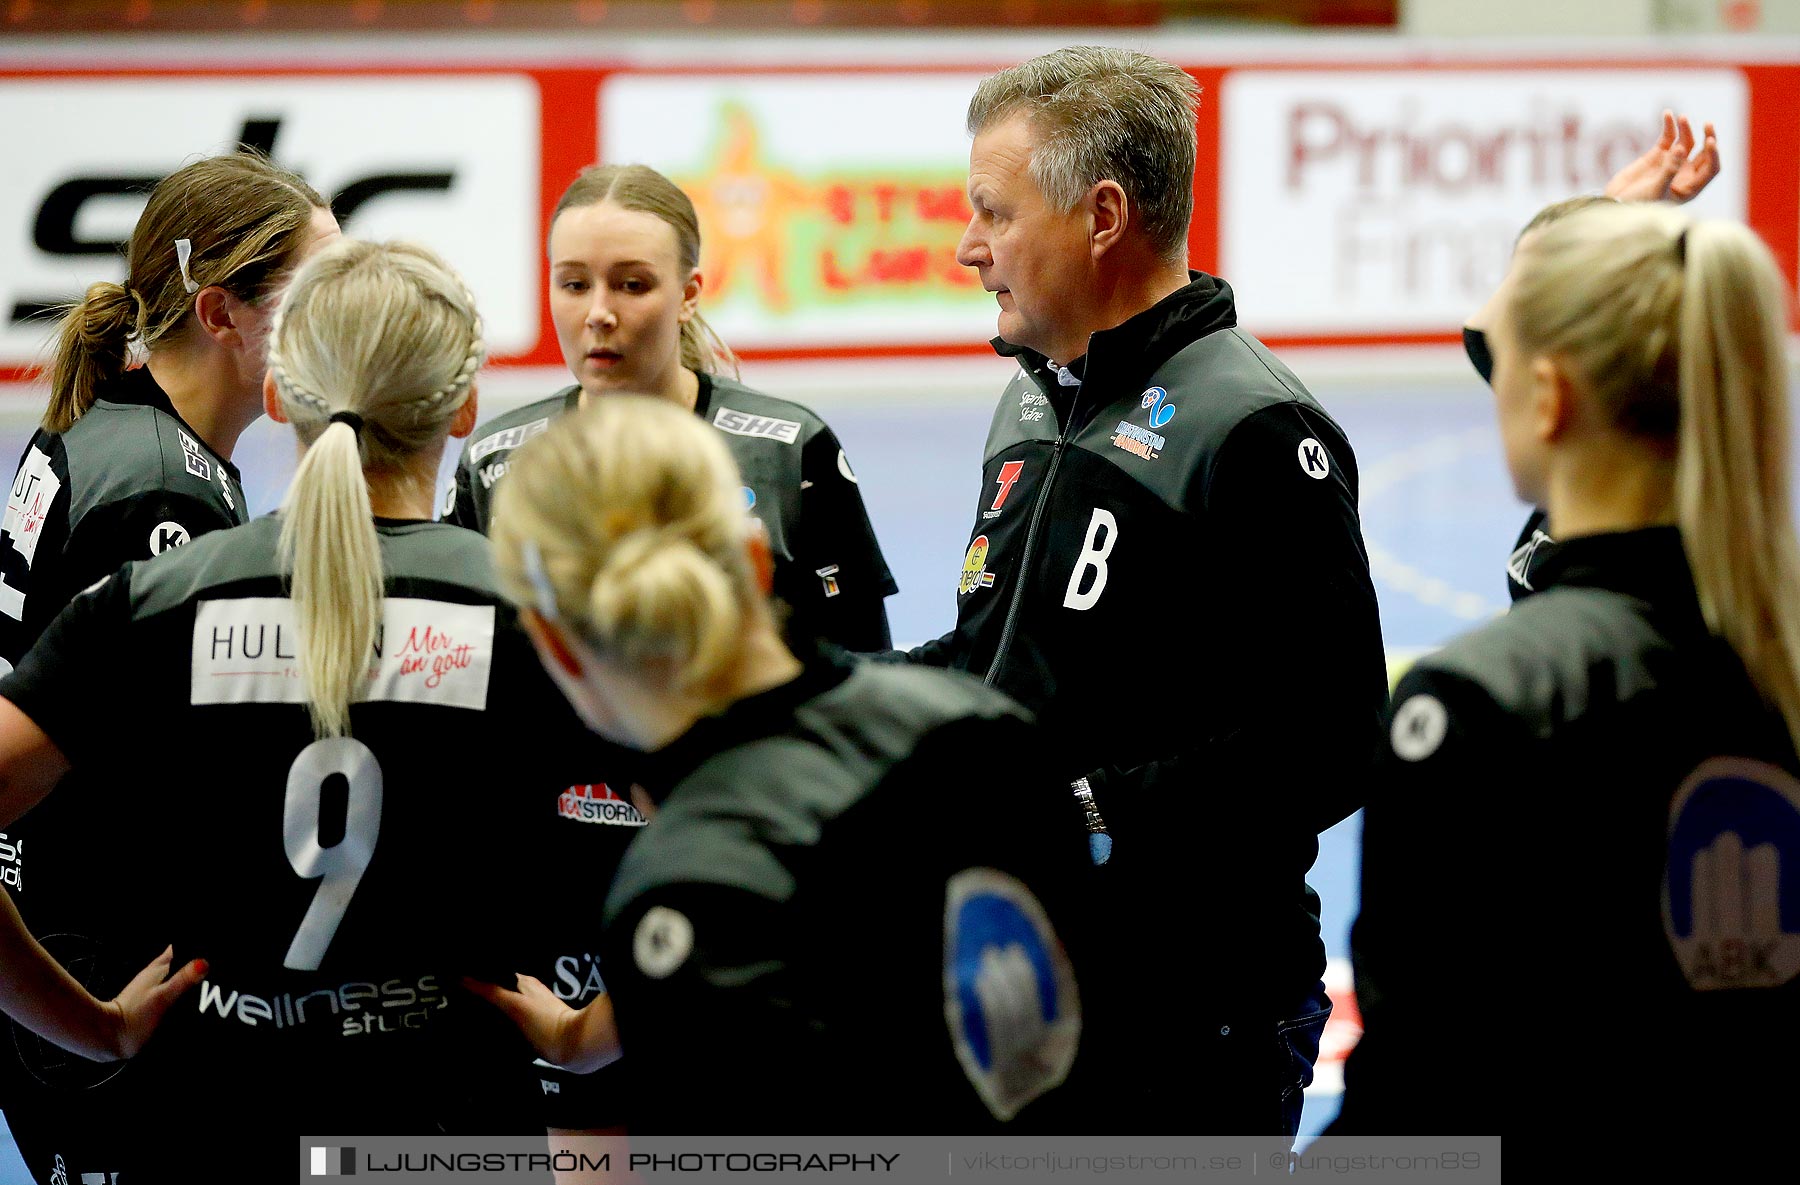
x,y
1009,990
1731,886
663,941
167,535
1315,462
1419,727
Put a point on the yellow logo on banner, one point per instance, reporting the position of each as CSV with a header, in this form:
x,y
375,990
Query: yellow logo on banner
x,y
789,241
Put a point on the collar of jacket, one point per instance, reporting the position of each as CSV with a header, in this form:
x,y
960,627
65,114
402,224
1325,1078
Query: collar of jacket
x,y
1649,564
1124,357
139,386
765,714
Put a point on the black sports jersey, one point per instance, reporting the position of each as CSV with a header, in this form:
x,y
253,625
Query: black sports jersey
x,y
1579,909
845,916
828,566
337,887
127,481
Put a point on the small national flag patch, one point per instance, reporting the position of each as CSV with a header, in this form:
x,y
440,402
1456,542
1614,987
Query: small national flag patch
x,y
333,1162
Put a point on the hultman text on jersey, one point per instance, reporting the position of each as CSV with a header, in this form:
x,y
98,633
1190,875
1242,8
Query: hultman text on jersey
x,y
426,652
1731,887
598,803
361,1007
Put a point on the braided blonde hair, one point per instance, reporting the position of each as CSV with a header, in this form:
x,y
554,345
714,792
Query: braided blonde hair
x,y
389,332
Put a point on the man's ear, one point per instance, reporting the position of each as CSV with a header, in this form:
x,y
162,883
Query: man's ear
x,y
271,403
551,643
463,422
216,312
1109,217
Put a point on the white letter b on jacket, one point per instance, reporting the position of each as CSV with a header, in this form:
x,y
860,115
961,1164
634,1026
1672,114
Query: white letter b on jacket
x,y
1092,558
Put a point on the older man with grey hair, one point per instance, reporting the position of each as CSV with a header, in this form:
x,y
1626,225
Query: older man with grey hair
x,y
1167,566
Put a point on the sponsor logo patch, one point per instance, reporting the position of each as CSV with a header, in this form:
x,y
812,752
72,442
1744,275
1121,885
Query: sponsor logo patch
x,y
598,803
490,474
428,652
1010,996
1009,477
974,572
1731,887
34,489
828,576
1156,400
1139,442
742,423
508,438
196,460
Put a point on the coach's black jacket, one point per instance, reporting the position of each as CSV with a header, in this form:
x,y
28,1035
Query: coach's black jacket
x,y
1168,568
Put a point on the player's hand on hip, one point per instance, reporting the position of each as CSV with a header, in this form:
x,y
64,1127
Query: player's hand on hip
x,y
141,1006
577,1040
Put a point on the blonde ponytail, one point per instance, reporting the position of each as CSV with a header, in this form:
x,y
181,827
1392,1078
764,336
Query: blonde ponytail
x,y
1677,331
335,585
632,512
1732,474
388,333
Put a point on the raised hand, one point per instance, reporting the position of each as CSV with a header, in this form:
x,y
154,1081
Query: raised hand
x,y
1671,170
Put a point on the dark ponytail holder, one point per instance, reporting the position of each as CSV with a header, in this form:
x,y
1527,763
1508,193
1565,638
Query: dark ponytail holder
x,y
1681,247
347,417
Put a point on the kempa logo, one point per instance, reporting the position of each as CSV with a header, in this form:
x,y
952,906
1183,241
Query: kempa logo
x,y
332,1162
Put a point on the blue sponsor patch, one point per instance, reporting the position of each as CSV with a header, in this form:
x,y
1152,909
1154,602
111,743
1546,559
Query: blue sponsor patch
x,y
1731,887
749,498
1010,997
1156,400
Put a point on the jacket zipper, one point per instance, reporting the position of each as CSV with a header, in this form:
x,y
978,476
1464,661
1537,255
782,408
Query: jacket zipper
x,y
1031,530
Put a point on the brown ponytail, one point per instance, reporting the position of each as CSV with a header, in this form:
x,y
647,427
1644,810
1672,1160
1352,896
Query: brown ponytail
x,y
245,220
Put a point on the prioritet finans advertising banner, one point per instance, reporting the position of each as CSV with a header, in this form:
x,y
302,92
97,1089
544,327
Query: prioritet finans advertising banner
x,y
1384,202
1350,202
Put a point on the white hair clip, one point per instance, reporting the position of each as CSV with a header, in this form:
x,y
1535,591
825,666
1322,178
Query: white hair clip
x,y
184,250
539,578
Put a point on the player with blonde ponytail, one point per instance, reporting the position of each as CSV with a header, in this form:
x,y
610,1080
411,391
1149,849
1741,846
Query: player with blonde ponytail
x,y
344,684
800,930
1600,788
